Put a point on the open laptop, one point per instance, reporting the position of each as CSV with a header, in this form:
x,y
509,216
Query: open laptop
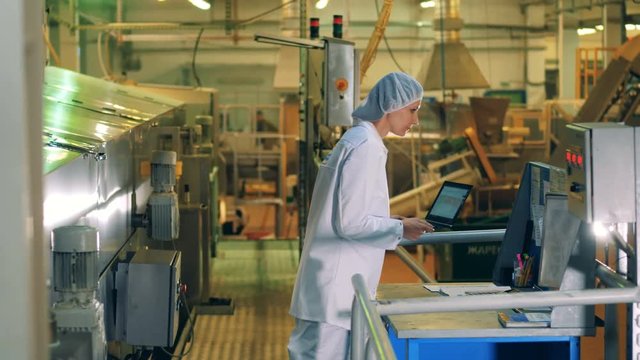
x,y
447,205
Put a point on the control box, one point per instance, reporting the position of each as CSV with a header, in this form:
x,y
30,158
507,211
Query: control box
x,y
600,172
148,289
341,85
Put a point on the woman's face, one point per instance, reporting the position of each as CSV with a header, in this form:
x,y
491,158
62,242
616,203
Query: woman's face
x,y
401,121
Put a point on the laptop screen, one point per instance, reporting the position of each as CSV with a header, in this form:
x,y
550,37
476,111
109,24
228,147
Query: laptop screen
x,y
448,203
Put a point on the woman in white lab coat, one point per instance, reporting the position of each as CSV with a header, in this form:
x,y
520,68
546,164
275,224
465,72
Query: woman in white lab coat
x,y
349,225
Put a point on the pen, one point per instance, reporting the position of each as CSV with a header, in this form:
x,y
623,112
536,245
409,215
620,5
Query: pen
x,y
519,260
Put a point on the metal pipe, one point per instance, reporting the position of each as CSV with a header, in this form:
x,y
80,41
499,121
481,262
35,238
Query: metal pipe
x,y
357,332
622,243
413,264
611,278
506,301
370,352
220,24
379,336
447,16
453,237
274,49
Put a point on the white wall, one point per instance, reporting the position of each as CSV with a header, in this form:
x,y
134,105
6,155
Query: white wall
x,y
23,311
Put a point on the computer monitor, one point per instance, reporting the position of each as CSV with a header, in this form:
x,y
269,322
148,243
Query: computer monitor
x,y
525,225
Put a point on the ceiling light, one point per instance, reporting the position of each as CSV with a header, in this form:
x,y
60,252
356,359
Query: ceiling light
x,y
599,27
321,4
629,27
586,31
201,4
427,4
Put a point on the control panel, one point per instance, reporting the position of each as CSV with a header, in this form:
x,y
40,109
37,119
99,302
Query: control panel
x,y
599,158
341,84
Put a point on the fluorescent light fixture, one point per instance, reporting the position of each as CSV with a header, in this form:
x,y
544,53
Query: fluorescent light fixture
x,y
630,27
599,27
421,23
586,31
321,4
201,4
427,4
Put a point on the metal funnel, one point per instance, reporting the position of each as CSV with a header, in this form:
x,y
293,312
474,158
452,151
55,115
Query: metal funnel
x,y
451,65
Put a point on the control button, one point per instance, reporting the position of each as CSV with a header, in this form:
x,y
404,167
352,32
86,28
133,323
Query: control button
x,y
575,187
342,84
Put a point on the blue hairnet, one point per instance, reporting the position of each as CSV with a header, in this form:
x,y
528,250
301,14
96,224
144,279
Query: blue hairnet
x,y
393,92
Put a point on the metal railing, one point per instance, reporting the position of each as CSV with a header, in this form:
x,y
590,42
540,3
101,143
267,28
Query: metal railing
x,y
374,311
364,313
367,313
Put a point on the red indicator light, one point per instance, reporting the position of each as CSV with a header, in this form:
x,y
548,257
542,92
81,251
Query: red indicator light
x,y
342,84
574,158
580,160
568,156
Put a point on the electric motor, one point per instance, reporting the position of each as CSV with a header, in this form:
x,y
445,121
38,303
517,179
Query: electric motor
x,y
163,170
75,257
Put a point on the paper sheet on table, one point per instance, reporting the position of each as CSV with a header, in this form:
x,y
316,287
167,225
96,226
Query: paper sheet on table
x,y
466,289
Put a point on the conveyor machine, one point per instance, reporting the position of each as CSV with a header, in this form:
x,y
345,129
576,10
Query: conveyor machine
x,y
98,139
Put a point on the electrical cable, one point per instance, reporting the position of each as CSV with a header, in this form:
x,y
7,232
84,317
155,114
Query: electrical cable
x,y
193,60
100,60
386,42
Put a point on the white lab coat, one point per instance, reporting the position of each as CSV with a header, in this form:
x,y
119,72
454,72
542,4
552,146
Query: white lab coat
x,y
348,229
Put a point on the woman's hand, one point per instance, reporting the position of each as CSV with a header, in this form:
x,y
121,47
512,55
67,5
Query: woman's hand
x,y
413,228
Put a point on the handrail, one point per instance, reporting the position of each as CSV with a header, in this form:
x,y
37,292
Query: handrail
x,y
509,300
453,237
363,306
365,311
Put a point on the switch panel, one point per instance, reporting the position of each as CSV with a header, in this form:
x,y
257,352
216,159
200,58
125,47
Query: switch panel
x,y
599,158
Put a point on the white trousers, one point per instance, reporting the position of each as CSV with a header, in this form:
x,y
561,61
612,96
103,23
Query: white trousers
x,y
312,340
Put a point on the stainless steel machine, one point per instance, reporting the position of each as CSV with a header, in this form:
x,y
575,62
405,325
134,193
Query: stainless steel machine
x,y
99,140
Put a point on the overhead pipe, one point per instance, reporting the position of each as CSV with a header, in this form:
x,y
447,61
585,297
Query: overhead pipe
x,y
220,24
